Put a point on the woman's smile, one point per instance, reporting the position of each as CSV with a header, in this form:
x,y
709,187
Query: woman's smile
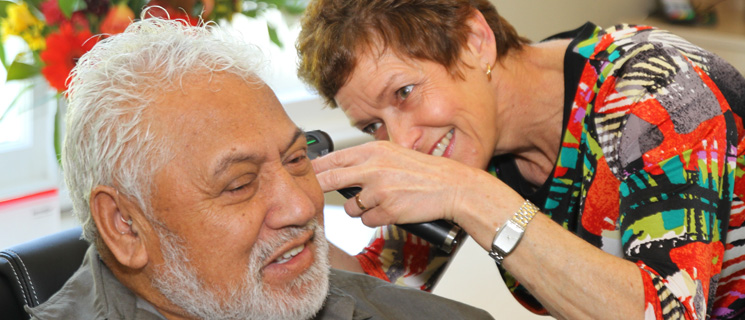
x,y
443,145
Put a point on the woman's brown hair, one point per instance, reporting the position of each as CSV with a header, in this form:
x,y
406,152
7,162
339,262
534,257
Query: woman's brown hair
x,y
335,31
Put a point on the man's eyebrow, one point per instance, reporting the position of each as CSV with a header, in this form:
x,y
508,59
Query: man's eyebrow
x,y
298,133
232,158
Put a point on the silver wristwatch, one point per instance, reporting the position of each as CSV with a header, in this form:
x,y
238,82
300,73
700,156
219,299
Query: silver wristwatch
x,y
509,235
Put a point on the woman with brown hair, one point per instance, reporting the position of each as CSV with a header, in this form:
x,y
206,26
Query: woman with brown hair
x,y
600,168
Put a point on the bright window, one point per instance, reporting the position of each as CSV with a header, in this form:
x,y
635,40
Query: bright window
x,y
27,160
15,106
281,65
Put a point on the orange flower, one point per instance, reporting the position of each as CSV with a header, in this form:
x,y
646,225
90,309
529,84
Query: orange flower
x,y
118,18
64,48
208,6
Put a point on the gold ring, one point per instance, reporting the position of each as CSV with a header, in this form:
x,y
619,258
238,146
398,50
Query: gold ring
x,y
359,202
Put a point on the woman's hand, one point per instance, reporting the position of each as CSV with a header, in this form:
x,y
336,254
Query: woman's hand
x,y
400,185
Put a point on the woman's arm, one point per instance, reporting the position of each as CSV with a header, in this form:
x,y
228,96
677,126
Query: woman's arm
x,y
672,253
342,260
569,276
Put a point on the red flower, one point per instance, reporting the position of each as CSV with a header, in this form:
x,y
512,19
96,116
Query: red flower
x,y
170,12
79,20
64,48
52,12
54,16
118,18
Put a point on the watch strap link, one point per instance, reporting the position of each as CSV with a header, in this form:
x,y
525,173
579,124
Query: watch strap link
x,y
526,213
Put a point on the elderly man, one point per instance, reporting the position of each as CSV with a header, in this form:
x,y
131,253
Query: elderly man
x,y
196,193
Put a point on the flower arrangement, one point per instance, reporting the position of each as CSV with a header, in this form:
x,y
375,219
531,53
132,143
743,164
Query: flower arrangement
x,y
58,32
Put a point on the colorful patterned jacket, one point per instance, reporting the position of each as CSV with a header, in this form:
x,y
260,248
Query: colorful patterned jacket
x,y
650,170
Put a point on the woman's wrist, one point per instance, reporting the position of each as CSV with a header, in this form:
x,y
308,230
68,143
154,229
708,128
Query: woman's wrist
x,y
484,212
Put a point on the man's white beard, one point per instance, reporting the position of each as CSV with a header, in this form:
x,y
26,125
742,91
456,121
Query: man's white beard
x,y
250,298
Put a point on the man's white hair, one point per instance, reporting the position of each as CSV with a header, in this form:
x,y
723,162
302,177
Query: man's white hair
x,y
107,141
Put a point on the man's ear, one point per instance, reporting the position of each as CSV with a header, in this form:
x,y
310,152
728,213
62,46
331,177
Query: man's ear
x,y
481,40
115,217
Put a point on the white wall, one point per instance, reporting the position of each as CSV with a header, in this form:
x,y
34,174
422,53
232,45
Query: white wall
x,y
538,19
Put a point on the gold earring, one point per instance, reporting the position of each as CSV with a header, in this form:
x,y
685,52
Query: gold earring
x,y
488,71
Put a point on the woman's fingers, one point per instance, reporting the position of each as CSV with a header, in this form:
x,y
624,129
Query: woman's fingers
x,y
342,158
359,204
346,168
335,179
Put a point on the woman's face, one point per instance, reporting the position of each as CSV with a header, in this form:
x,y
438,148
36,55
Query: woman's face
x,y
420,105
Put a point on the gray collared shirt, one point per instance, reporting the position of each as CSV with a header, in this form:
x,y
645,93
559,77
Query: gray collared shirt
x,y
94,293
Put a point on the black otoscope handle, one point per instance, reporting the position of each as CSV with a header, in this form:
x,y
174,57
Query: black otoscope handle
x,y
440,233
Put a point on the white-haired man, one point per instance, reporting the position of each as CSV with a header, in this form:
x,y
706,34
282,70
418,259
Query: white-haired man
x,y
196,193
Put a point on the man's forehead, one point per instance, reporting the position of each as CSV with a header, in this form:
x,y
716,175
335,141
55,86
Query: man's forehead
x,y
220,98
205,118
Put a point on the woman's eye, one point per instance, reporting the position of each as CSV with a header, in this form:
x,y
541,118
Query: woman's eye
x,y
404,92
372,128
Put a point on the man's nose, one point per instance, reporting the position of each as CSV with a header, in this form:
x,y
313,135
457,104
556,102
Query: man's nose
x,y
290,201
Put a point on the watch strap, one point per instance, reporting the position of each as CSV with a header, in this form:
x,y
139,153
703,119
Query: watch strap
x,y
508,235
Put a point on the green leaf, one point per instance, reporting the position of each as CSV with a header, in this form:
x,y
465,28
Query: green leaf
x,y
35,4
4,8
294,10
69,6
137,6
15,100
2,55
293,7
276,3
19,70
196,11
37,59
58,133
273,36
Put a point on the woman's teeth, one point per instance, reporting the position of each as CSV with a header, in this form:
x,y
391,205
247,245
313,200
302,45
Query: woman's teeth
x,y
443,144
289,254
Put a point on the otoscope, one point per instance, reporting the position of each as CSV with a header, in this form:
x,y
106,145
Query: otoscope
x,y
440,233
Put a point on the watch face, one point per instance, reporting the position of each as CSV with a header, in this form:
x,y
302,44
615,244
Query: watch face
x,y
507,238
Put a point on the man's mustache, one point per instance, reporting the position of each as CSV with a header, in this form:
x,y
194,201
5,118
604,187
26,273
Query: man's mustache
x,y
264,249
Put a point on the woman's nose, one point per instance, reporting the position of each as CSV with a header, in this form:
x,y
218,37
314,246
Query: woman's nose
x,y
403,132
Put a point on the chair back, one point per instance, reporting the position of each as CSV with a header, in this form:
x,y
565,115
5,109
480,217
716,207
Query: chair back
x,y
30,273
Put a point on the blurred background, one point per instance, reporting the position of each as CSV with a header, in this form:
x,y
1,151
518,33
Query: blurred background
x,y
41,40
